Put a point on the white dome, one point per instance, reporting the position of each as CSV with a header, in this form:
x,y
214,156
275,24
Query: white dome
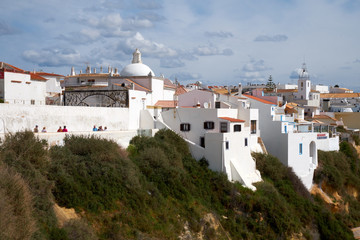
x,y
136,69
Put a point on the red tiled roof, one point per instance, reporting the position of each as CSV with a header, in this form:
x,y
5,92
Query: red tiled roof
x,y
146,89
168,83
323,117
232,119
48,74
34,76
7,66
166,103
259,99
180,90
286,90
339,95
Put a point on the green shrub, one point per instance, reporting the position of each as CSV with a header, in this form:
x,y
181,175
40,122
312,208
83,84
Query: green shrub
x,y
92,174
16,212
28,156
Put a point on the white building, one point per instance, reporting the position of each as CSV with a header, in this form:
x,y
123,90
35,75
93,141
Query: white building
x,y
18,86
219,136
135,76
292,139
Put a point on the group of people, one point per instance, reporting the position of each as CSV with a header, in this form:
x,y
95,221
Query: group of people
x,y
62,129
36,129
100,128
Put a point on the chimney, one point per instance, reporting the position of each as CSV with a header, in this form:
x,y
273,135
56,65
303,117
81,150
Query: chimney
x,y
109,69
80,71
116,71
101,69
88,69
239,90
94,70
72,71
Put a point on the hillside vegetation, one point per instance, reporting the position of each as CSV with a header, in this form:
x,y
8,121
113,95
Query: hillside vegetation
x,y
156,190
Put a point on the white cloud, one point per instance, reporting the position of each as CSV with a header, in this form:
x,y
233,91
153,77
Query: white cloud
x,y
53,57
150,48
255,66
6,29
268,38
186,76
219,34
171,63
211,50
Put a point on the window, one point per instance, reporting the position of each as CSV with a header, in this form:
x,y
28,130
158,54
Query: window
x,y
237,128
217,104
253,126
32,102
246,142
209,125
185,127
300,149
202,142
227,144
223,127
302,84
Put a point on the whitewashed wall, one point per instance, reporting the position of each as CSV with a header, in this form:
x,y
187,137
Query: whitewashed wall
x,y
25,90
18,117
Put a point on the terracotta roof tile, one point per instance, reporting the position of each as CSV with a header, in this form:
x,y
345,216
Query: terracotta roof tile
x,y
34,76
180,90
339,95
259,99
232,119
166,103
286,90
48,74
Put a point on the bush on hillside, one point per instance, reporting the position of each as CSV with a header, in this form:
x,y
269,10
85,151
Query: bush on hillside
x,y
16,212
92,174
28,156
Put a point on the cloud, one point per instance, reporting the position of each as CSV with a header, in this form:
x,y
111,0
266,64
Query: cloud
x,y
53,57
220,34
85,36
255,66
6,29
274,38
151,16
211,51
149,4
150,48
171,63
49,20
357,60
295,73
113,25
253,71
186,76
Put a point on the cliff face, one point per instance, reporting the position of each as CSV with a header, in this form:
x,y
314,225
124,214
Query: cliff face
x,y
156,190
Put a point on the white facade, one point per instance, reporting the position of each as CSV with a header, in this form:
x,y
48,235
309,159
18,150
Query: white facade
x,y
296,144
20,88
212,134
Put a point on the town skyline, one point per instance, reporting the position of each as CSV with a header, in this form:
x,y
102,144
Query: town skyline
x,y
216,43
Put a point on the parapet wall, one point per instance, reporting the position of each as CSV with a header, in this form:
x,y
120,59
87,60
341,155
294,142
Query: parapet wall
x,y
19,117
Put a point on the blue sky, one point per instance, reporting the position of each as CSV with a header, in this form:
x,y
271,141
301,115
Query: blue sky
x,y
216,42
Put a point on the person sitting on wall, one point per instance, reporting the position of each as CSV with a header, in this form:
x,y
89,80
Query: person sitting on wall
x,y
105,128
44,130
64,129
94,128
100,129
60,129
36,129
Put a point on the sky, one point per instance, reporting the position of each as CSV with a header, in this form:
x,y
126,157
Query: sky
x,y
216,42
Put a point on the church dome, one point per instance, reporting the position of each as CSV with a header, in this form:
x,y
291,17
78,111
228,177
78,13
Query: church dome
x,y
136,68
